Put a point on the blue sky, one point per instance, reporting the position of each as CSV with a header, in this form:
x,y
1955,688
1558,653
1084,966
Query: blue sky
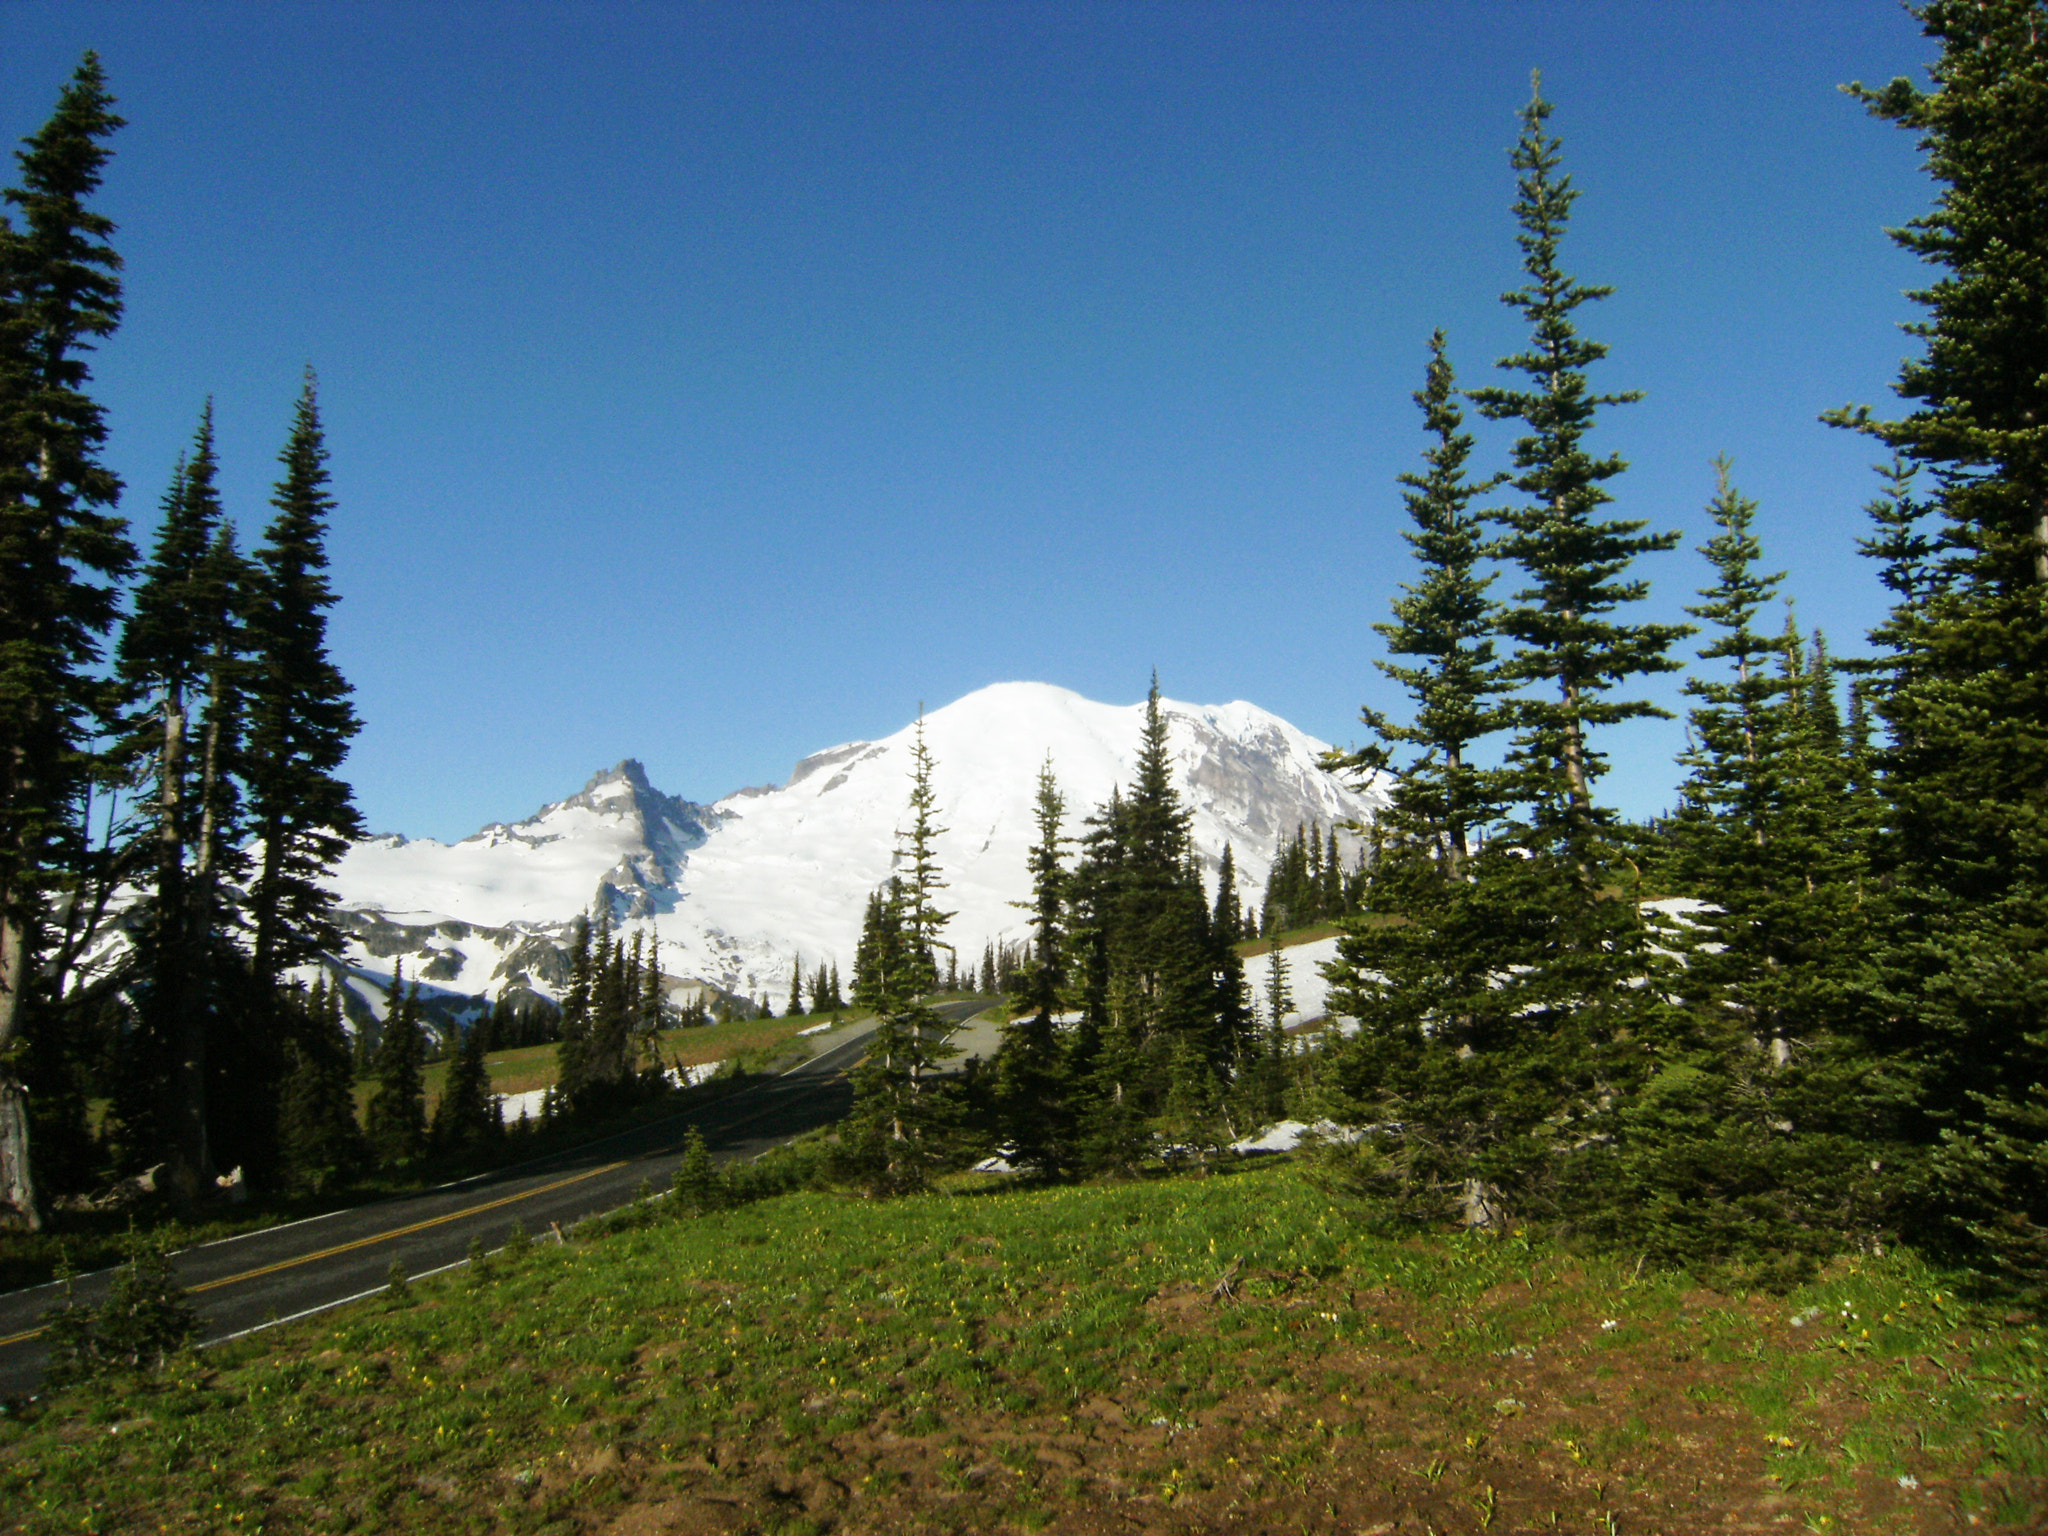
x,y
714,383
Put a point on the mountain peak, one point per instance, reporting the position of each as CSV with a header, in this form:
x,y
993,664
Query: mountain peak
x,y
627,769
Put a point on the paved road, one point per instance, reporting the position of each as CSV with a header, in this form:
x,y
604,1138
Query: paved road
x,y
243,1283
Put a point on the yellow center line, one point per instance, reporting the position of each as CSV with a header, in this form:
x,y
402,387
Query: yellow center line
x,y
374,1238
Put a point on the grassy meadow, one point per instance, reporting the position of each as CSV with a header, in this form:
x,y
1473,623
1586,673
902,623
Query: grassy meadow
x,y
1221,1353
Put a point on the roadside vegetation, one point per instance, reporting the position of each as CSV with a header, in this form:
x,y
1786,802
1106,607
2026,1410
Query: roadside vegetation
x,y
85,1241
1237,1352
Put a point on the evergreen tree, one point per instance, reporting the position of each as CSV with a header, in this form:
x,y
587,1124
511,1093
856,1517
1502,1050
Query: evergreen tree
x,y
1035,1112
299,725
699,1185
796,988
61,550
917,846
1960,1017
1226,921
1510,1012
1757,837
1571,655
396,1117
897,1132
179,651
466,1120
1446,622
608,1037
573,1048
318,1137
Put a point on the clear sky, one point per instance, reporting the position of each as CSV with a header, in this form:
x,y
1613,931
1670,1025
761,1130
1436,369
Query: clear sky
x,y
712,383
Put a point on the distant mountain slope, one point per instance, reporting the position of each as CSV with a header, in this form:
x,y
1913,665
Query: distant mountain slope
x,y
739,891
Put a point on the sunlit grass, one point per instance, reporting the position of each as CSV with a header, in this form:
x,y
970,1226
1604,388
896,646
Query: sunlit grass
x,y
928,1350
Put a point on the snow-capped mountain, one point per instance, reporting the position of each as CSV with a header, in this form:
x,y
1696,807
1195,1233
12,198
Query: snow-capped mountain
x,y
739,891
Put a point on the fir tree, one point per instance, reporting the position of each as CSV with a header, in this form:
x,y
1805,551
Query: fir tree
x,y
1757,838
698,1185
897,1132
1961,1014
573,1048
396,1118
300,721
796,988
61,551
1446,622
466,1120
1035,1112
1226,921
179,651
321,1144
1571,655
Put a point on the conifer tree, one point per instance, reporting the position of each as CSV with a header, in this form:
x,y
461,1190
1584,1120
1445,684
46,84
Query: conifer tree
x,y
1226,921
796,988
1757,838
1035,1112
923,921
466,1120
62,548
653,1004
1961,1013
1571,655
300,721
897,1132
179,652
396,1117
573,1047
1446,621
318,1137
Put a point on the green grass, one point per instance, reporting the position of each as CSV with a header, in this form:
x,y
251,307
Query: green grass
x,y
995,1359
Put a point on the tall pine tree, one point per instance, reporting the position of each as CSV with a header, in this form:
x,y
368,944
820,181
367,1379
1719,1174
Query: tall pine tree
x,y
62,548
1961,1015
300,721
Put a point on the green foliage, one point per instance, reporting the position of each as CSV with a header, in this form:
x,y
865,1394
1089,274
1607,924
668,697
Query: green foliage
x,y
396,1119
62,549
904,1122
321,1143
698,1187
1958,1014
862,1344
144,1320
466,1119
300,718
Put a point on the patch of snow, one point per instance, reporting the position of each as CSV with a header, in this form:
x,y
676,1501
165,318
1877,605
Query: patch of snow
x,y
1305,979
1289,1134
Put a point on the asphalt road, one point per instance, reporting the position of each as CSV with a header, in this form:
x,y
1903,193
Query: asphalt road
x,y
243,1283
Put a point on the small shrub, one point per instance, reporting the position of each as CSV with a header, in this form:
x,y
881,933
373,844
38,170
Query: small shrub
x,y
145,1319
699,1187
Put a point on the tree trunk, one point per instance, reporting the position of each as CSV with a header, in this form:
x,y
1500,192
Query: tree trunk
x,y
18,1202
191,1158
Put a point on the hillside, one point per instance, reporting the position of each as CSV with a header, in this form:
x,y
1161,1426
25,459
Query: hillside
x,y
1224,1354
